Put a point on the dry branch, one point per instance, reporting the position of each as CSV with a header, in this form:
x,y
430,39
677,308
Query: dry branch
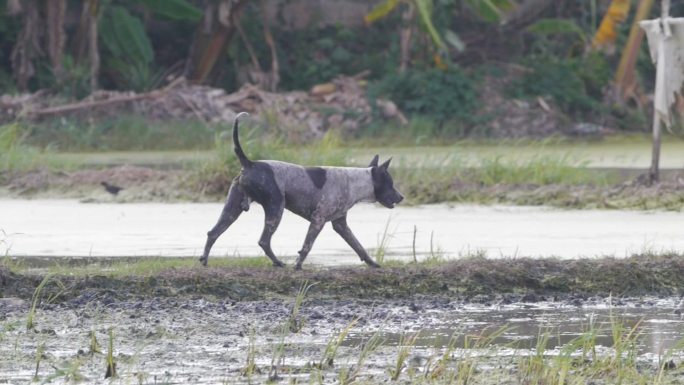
x,y
99,103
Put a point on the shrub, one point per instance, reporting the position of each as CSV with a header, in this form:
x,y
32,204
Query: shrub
x,y
574,84
440,95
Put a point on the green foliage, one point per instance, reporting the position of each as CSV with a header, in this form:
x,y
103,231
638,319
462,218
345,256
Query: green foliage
x,y
441,95
124,36
126,132
15,155
309,57
425,9
174,9
540,170
548,27
574,84
129,50
490,10
381,10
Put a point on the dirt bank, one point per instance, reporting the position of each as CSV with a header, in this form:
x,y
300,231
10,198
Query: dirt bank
x,y
469,279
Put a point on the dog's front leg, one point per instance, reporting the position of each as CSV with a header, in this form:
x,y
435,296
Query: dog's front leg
x,y
236,203
341,227
314,229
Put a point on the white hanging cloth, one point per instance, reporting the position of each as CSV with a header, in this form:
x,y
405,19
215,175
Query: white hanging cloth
x,y
666,43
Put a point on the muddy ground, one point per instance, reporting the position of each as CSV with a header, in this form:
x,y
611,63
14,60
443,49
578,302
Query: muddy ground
x,y
243,325
144,184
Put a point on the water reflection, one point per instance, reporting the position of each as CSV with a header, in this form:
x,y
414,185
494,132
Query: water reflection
x,y
655,329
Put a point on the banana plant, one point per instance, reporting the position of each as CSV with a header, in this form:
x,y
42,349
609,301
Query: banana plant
x,y
488,10
130,52
424,8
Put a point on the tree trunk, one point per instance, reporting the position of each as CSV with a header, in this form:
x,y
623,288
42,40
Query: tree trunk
x,y
93,50
214,32
55,12
27,46
405,36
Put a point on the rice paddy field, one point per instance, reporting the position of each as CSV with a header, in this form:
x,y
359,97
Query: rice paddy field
x,y
511,263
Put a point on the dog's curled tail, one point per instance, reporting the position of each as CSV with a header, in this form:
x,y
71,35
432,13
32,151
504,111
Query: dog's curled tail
x,y
236,142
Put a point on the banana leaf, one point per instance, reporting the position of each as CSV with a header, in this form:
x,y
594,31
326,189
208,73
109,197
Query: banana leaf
x,y
124,35
174,9
425,11
557,27
381,10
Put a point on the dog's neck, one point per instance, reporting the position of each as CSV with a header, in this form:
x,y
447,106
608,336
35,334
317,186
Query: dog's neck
x,y
361,186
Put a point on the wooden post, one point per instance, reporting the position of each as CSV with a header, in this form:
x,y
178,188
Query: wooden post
x,y
655,154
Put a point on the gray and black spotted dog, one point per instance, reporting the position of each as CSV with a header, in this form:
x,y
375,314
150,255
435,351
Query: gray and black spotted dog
x,y
317,194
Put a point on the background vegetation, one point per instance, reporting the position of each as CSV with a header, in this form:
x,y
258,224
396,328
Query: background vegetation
x,y
70,48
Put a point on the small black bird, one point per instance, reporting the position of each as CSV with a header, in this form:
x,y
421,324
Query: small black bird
x,y
112,189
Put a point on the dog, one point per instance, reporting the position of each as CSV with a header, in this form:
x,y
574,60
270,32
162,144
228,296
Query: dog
x,y
317,194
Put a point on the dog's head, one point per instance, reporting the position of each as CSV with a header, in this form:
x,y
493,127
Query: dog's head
x,y
383,185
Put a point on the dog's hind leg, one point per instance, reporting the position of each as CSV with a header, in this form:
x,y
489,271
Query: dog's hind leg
x,y
273,213
340,226
314,229
236,203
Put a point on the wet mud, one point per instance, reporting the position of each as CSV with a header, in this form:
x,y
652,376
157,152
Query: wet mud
x,y
193,340
248,324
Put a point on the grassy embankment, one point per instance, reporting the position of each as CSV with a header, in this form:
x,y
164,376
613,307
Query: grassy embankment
x,y
554,172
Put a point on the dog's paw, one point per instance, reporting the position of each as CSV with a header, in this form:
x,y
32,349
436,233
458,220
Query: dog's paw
x,y
278,264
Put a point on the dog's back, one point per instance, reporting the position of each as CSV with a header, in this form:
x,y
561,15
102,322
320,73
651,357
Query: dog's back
x,y
327,192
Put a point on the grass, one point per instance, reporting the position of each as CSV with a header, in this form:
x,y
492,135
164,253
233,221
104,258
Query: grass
x,y
111,365
37,296
383,243
251,367
15,154
406,344
126,267
126,132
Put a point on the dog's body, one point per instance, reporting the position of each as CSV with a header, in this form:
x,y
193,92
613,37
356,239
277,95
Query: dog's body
x,y
318,194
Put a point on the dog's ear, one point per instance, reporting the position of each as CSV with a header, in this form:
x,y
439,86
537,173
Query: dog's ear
x,y
386,164
374,162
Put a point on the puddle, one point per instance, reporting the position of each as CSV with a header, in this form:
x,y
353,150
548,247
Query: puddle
x,y
56,228
659,328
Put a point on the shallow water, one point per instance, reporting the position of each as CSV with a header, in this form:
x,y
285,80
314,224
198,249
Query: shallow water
x,y
194,341
69,228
